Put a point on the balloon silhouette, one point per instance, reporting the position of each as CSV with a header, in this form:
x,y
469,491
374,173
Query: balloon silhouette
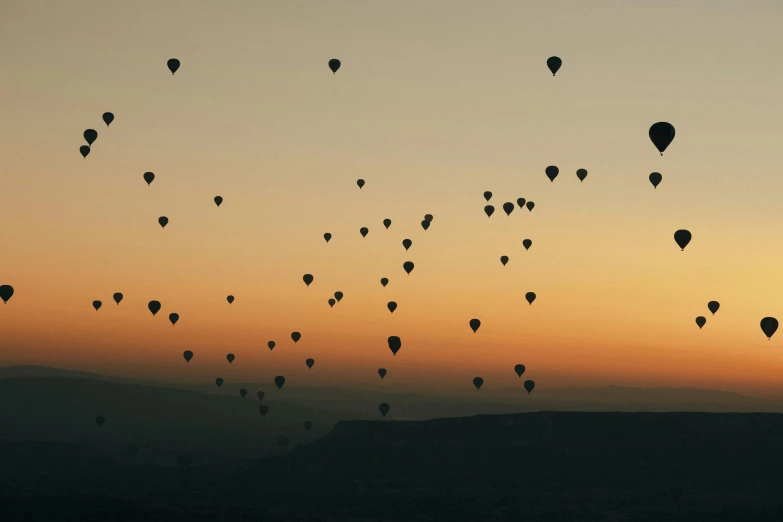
x,y
487,195
263,410
519,369
382,372
242,393
230,357
307,278
661,134
527,244
408,266
701,321
428,217
554,64
529,385
334,64
218,200
394,344
478,382
295,336
530,296
307,425
682,237
384,408
474,324
219,382
173,318
154,307
279,381
339,296
310,363
173,65
425,224
504,260
84,150
188,355
713,306
90,135
407,243
530,206
508,208
96,305
271,345
387,222
363,231
117,297
163,220
655,179
7,292
385,281
392,306
360,182
769,326
552,172
521,202
148,177
260,395
99,420
489,210
108,118
230,299
331,303
581,174
327,236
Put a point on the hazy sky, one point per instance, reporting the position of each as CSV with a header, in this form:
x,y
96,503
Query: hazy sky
x,y
435,103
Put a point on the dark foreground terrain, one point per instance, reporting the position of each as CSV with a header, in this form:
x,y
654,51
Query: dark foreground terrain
x,y
544,466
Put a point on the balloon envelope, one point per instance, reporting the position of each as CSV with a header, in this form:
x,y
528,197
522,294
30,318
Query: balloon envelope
x,y
769,326
661,134
407,243
154,307
529,385
382,372
425,224
188,355
327,236
117,297
527,244
478,382
521,202
363,231
331,302
334,64
552,172
173,318
655,179
394,344
392,306
307,278
408,266
279,381
310,363
7,292
487,195
384,282
713,306
508,208
384,408
682,237
519,369
230,299
243,393
96,305
219,382
84,150
90,135
339,296
295,336
489,210
307,425
554,64
530,296
530,206
271,345
474,324
504,260
108,118
218,200
163,220
173,65
581,174
263,410
148,177
230,357
701,321
360,182
387,222
260,395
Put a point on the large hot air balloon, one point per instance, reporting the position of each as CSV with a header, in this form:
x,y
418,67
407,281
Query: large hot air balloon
x,y
529,385
163,220
408,266
230,357
307,278
384,281
96,305
701,321
581,174
394,344
173,318
661,134
713,306
338,295
487,195
117,297
527,244
769,326
384,408
554,63
489,210
295,336
327,236
154,307
218,200
7,292
682,237
392,306
188,355
519,369
504,260
219,382
149,177
334,64
84,150
173,65
655,179
279,381
407,243
552,172
310,363
474,324
530,296
478,382
364,231
243,393
90,135
230,299
108,118
508,208
382,372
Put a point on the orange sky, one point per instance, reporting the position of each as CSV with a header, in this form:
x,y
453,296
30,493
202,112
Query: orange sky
x,y
435,103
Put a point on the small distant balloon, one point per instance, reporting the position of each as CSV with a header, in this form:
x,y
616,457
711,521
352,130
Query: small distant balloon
x,y
219,382
554,63
769,326
334,64
552,172
154,307
701,321
188,355
96,305
243,393
682,237
487,195
230,358
360,182
310,363
425,224
521,202
117,297
661,134
173,318
394,344
279,381
307,278
148,177
581,174
263,410
230,299
428,217
385,281
408,266
260,395
504,260
7,291
331,302
307,425
530,296
527,244
271,345
99,420
392,306
327,236
655,179
339,296
218,200
489,210
387,222
163,220
363,231
84,150
530,205
295,336
478,382
108,118
474,324
384,408
382,372
508,208
519,369
173,65
407,243
529,385
90,135
713,306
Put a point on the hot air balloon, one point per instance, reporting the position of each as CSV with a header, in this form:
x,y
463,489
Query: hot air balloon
x,y
307,425
385,281
519,369
655,179
504,260
331,302
310,363
117,297
230,299
769,326
530,206
173,65
661,134
218,200
99,420
90,135
163,220
487,195
363,231
7,291
508,208
530,296
489,210
382,372
243,393
271,345
394,344
96,305
682,237
263,410
219,382
334,64
387,222
521,202
713,306
407,243
307,278
295,336
260,395
428,217
327,236
425,224
478,382
408,266
154,307
581,174
84,150
552,172
148,177
360,182
188,355
108,118
230,357
701,321
554,63
173,318
384,408
392,306
339,296
529,385
527,244
474,324
279,381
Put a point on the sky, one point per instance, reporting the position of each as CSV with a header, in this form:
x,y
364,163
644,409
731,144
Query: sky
x,y
435,103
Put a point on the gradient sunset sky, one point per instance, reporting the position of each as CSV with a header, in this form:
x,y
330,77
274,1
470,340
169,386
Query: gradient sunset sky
x,y
435,103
